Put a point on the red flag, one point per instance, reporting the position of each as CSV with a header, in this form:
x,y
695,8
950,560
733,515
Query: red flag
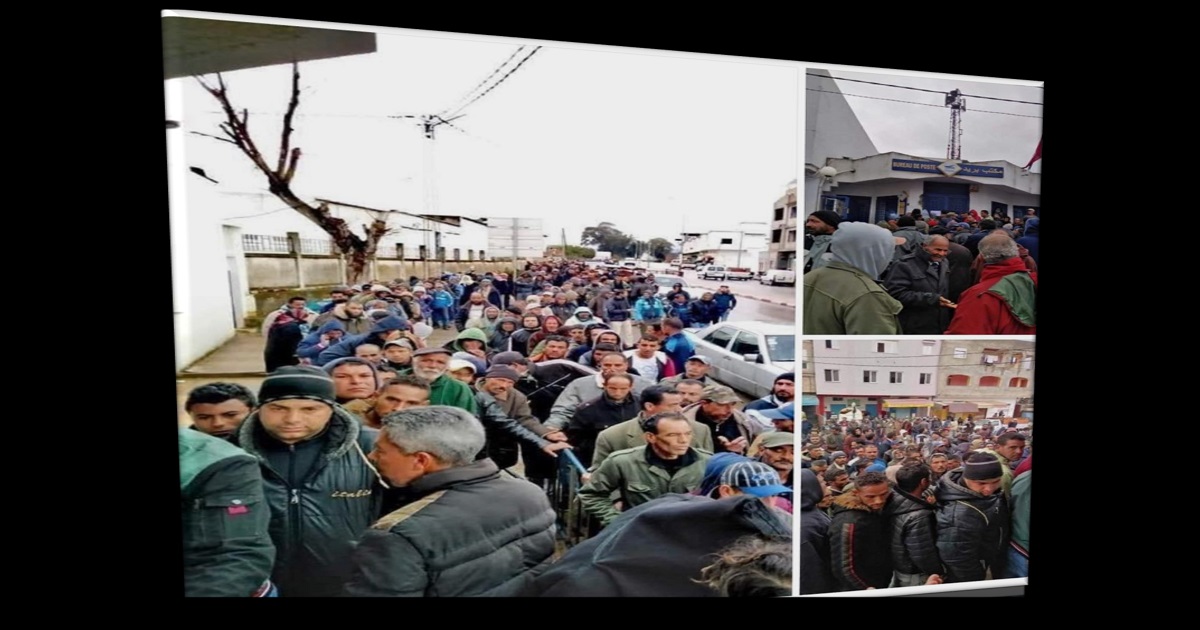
x,y
1037,154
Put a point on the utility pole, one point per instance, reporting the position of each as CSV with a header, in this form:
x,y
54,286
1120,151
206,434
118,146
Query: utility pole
x,y
957,104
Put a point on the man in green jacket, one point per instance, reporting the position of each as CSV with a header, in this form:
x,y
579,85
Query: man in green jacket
x,y
227,549
844,297
1018,545
431,365
667,464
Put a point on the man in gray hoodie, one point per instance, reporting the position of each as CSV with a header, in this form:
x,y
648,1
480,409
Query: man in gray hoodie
x,y
844,297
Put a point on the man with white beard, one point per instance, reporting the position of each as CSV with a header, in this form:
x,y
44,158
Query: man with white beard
x,y
431,365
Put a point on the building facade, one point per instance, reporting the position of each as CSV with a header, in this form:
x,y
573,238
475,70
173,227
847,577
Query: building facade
x,y
986,379
896,376
785,232
732,248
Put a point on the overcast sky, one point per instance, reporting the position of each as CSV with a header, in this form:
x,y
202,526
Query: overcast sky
x,y
574,137
921,124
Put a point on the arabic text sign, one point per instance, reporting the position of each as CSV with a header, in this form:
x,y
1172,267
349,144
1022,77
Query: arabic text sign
x,y
932,168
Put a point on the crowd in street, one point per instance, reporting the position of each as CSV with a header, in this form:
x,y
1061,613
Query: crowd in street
x,y
372,462
969,274
888,502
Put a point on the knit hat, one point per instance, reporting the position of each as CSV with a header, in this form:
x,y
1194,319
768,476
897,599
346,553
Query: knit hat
x,y
503,371
754,478
836,454
388,324
509,358
297,381
786,376
981,466
827,217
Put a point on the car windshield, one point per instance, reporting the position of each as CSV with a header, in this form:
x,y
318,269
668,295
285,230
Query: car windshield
x,y
669,281
782,348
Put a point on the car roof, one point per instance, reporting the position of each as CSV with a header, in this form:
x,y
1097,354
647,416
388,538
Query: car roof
x,y
762,328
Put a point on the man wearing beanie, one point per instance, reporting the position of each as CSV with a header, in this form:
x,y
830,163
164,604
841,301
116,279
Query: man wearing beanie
x,y
322,491
499,384
972,520
818,232
782,393
384,330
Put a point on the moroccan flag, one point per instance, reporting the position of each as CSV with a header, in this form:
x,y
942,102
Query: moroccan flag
x,y
1037,155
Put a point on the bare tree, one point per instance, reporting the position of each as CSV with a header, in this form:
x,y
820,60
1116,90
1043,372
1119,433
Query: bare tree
x,y
358,250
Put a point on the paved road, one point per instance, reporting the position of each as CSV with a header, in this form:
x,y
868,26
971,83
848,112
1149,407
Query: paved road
x,y
750,288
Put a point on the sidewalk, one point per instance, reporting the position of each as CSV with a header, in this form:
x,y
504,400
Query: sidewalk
x,y
791,303
242,356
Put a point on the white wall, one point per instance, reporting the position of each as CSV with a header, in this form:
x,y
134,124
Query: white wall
x,y
831,128
852,357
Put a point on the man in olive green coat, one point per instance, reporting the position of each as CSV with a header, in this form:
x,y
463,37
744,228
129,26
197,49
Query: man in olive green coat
x,y
844,297
667,464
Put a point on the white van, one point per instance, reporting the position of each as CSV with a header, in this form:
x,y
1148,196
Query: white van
x,y
778,276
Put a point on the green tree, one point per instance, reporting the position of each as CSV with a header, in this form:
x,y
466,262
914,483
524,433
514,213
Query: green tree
x,y
606,237
575,251
660,248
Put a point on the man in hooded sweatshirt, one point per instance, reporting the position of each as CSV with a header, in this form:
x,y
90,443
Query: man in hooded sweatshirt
x,y
1030,238
844,297
815,574
384,330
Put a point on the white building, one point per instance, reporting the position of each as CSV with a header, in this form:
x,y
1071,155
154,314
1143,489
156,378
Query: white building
x,y
862,183
897,376
732,248
208,285
510,237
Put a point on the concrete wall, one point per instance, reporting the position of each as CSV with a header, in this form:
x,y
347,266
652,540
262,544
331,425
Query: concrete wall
x,y
279,271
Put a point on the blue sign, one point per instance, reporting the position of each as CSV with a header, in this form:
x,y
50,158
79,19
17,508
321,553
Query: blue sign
x,y
949,169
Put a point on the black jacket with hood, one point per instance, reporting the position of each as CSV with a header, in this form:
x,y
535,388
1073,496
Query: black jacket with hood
x,y
972,530
815,575
659,548
317,517
594,416
859,545
914,534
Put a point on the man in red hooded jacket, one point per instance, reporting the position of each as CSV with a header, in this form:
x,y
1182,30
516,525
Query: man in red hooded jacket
x,y
1003,302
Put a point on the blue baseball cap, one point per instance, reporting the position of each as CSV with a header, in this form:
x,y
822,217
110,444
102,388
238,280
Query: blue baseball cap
x,y
754,478
786,412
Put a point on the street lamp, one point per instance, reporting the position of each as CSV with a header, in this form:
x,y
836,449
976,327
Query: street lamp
x,y
826,173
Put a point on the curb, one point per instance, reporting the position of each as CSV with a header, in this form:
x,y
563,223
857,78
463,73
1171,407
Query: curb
x,y
760,299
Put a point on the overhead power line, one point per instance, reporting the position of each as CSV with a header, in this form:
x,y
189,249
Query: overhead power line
x,y
497,83
917,89
895,100
445,112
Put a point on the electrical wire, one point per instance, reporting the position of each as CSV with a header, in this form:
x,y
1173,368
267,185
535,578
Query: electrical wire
x,y
906,87
446,111
497,83
894,100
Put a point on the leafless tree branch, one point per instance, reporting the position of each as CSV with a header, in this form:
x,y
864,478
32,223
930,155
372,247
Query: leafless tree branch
x,y
208,135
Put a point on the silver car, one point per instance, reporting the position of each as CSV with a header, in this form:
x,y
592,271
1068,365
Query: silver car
x,y
747,356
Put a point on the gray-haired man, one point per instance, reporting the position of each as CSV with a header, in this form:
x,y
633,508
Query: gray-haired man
x,y
467,530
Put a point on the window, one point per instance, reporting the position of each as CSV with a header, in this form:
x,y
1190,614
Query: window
x,y
746,343
791,236
470,254
989,381
1018,382
831,344
927,347
804,365
793,212
992,356
776,236
926,378
778,214
832,376
869,376
885,347
1016,358
400,251
896,377
960,353
958,380
720,337
457,254
1027,364
481,256
727,241
424,252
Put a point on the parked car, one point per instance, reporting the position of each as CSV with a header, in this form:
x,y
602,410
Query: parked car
x,y
778,276
666,283
747,356
739,273
713,272
687,265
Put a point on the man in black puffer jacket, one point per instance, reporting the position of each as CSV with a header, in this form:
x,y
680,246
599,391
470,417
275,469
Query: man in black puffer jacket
x,y
466,530
322,491
913,524
972,519
859,538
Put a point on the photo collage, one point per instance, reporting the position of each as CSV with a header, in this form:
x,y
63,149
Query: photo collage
x,y
480,316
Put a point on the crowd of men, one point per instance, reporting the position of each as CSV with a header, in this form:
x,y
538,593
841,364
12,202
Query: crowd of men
x,y
972,274
374,463
889,503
